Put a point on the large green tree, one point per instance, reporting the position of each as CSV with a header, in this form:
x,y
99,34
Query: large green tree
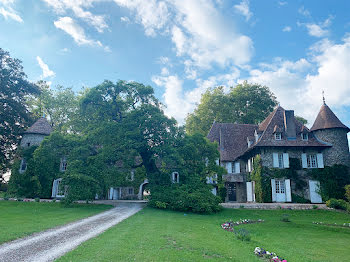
x,y
14,116
245,103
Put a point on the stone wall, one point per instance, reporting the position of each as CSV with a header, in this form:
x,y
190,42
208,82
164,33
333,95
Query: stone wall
x,y
32,139
339,152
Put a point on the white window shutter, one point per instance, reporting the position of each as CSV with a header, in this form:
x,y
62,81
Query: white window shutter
x,y
285,160
249,192
275,159
217,161
237,168
304,160
288,190
229,167
54,188
320,161
273,187
249,166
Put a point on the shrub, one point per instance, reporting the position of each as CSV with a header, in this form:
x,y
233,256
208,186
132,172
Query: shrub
x,y
19,199
337,204
185,198
347,192
37,199
314,207
285,218
242,234
54,200
299,199
66,201
6,198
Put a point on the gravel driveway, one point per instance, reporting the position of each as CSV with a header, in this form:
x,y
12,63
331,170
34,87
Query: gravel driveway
x,y
53,243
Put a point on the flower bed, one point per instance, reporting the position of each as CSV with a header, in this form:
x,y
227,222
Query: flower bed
x,y
346,225
269,256
228,226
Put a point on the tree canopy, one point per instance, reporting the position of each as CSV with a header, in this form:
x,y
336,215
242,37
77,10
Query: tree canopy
x,y
245,103
14,116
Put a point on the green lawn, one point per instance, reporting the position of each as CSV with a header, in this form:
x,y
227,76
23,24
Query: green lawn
x,y
156,235
18,219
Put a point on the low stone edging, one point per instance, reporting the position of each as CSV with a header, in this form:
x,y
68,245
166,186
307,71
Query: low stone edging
x,y
294,206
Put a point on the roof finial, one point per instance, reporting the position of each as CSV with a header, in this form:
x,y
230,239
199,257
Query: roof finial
x,y
324,100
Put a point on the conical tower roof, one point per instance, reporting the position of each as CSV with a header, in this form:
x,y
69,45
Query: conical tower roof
x,y
40,127
327,119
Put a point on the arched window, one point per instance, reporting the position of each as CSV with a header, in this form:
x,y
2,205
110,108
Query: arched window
x,y
23,166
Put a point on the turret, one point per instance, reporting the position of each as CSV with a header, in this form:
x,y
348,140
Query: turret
x,y
329,129
36,133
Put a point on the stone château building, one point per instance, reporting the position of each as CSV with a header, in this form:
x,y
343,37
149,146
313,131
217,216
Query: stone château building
x,y
278,139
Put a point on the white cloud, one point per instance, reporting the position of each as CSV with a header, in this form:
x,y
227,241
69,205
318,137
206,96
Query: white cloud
x,y
45,68
152,14
319,29
296,87
8,12
78,7
125,19
68,25
304,11
282,3
201,35
179,102
243,9
287,29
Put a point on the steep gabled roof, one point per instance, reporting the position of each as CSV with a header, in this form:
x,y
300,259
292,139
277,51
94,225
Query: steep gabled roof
x,y
40,127
232,138
327,119
276,122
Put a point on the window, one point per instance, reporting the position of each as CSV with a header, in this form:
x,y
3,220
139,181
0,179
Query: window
x,y
132,175
311,161
23,166
280,160
305,136
60,188
278,136
175,177
131,191
63,165
280,187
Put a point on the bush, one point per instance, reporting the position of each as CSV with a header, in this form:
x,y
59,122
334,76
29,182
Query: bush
x,y
242,234
299,199
337,204
37,199
185,198
6,198
19,199
347,192
54,200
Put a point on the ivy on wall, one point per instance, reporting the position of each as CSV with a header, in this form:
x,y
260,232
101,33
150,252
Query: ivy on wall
x,y
332,179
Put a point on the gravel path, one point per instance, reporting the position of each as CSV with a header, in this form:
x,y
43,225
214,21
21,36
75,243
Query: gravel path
x,y
53,243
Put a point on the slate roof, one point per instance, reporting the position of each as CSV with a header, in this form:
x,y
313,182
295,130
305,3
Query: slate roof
x,y
275,122
40,127
232,138
327,119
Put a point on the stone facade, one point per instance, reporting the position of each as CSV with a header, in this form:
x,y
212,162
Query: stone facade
x,y
29,140
339,152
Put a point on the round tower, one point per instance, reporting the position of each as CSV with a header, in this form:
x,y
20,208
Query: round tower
x,y
329,129
36,133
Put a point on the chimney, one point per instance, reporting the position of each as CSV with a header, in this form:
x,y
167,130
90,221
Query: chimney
x,y
289,124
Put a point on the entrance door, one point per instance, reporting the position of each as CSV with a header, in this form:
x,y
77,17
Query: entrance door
x,y
280,191
231,191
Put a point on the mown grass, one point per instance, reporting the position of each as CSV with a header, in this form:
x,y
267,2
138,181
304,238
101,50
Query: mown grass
x,y
18,219
156,235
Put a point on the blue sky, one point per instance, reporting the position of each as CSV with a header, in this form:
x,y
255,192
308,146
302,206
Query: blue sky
x,y
182,47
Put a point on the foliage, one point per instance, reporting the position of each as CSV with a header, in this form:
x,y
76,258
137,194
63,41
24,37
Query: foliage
x,y
347,192
59,104
185,198
37,199
246,103
262,182
14,88
300,199
333,180
301,120
80,187
242,234
337,204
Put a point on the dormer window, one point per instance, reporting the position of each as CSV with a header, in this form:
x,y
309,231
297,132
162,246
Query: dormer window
x,y
63,165
278,136
175,177
305,136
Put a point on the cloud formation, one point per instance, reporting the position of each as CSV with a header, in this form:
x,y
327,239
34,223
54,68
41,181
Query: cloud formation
x,y
7,11
46,72
243,9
